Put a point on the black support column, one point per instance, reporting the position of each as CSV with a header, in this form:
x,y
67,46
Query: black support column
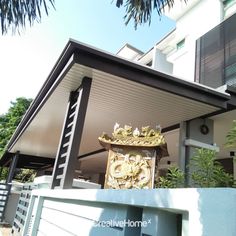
x,y
12,167
66,159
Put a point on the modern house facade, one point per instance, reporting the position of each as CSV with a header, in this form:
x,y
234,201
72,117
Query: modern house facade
x,y
207,46
89,90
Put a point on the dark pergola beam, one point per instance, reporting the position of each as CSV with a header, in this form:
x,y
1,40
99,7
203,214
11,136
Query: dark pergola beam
x,y
91,153
27,161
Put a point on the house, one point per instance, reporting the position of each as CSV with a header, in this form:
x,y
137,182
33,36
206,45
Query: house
x,y
89,90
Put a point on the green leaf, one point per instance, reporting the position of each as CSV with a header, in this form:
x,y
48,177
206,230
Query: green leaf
x,y
14,13
10,120
207,172
231,136
173,179
141,10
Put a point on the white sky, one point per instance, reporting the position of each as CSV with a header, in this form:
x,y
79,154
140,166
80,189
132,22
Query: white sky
x,y
26,60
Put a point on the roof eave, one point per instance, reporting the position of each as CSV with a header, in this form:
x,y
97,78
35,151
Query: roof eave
x,y
109,63
141,74
37,102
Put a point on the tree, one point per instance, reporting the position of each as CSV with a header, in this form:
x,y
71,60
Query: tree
x,y
207,172
10,120
8,124
14,13
141,10
231,136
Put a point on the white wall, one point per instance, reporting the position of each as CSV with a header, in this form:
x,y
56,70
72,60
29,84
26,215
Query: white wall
x,y
198,20
160,63
73,212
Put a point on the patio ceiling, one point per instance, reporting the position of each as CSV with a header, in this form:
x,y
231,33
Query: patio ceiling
x,y
121,91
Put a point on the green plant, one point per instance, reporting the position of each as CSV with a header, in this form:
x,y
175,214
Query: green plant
x,y
25,175
3,173
15,14
231,136
10,120
173,179
8,123
205,171
140,11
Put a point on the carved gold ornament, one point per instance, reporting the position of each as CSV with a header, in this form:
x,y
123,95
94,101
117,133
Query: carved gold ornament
x,y
146,137
129,171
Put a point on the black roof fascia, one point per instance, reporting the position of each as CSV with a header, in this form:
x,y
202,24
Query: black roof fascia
x,y
45,91
101,60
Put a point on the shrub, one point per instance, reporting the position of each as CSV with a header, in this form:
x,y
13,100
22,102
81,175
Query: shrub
x,y
205,172
173,179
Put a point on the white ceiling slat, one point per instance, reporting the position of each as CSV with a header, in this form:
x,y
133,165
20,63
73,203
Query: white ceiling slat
x,y
112,99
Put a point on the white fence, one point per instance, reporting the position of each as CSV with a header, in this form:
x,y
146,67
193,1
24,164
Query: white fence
x,y
23,207
132,212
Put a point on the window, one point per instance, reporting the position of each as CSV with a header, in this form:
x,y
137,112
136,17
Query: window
x,y
228,2
180,44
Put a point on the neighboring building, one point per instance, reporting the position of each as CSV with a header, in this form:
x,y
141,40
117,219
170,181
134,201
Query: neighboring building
x,y
89,90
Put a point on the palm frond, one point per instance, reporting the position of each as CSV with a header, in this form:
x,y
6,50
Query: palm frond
x,y
15,13
141,10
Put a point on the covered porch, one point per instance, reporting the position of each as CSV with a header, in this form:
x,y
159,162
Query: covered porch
x,y
87,92
119,91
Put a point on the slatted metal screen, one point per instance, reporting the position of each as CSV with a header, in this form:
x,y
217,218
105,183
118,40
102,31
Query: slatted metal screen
x,y
22,209
4,193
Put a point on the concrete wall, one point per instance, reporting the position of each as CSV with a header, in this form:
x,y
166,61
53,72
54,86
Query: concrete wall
x,y
166,212
160,63
12,203
163,222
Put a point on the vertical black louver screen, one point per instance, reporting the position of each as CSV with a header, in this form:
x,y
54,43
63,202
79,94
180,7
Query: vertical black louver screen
x,y
216,55
230,50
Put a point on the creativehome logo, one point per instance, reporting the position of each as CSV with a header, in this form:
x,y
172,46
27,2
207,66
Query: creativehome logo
x,y
122,223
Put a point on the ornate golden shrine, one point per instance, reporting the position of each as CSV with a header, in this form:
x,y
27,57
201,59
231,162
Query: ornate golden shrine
x,y
132,156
